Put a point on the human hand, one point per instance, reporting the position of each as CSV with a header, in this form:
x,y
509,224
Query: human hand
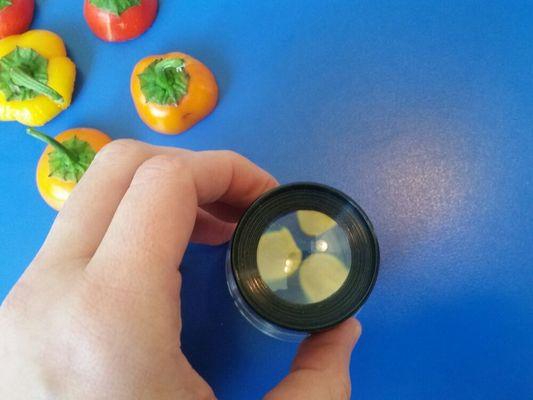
x,y
97,313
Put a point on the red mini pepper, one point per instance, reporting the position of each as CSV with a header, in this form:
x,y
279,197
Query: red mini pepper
x,y
15,16
119,20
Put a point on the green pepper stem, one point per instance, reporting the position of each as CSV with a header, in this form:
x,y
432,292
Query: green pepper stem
x,y
21,78
172,64
169,63
165,81
5,3
54,143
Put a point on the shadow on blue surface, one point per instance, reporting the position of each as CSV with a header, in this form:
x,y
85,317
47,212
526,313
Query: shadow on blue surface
x,y
221,344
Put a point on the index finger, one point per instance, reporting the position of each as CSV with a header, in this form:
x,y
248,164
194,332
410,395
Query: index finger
x,y
153,223
238,181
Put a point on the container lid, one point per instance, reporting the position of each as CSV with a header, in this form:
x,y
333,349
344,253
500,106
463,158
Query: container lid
x,y
304,256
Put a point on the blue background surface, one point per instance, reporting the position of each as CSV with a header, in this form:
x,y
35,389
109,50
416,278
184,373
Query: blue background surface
x,y
422,111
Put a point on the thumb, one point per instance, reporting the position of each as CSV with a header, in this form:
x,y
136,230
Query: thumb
x,y
321,369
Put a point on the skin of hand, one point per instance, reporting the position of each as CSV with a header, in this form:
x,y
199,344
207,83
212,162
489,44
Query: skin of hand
x,y
96,315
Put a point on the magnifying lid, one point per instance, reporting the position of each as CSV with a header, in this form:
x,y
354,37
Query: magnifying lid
x,y
304,257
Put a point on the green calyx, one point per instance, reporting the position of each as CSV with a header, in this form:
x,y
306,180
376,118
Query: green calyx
x,y
116,7
68,160
24,75
4,4
165,81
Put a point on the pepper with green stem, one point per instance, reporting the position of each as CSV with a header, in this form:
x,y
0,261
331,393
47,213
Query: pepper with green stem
x,y
65,160
36,77
172,92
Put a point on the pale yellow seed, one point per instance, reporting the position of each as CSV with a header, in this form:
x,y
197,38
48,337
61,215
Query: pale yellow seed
x,y
321,275
278,257
314,223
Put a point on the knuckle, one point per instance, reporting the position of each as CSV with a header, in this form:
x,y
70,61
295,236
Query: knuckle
x,y
344,390
17,301
231,154
268,184
118,150
161,167
338,388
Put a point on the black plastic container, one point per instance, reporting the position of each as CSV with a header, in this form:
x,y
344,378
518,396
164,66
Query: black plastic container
x,y
304,257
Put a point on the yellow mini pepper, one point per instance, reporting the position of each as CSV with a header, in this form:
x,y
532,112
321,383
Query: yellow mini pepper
x,y
36,77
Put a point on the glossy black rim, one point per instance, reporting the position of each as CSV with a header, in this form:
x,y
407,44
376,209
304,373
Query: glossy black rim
x,y
361,237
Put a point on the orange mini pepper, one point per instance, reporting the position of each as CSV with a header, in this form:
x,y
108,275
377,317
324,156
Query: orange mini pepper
x,y
65,160
172,92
